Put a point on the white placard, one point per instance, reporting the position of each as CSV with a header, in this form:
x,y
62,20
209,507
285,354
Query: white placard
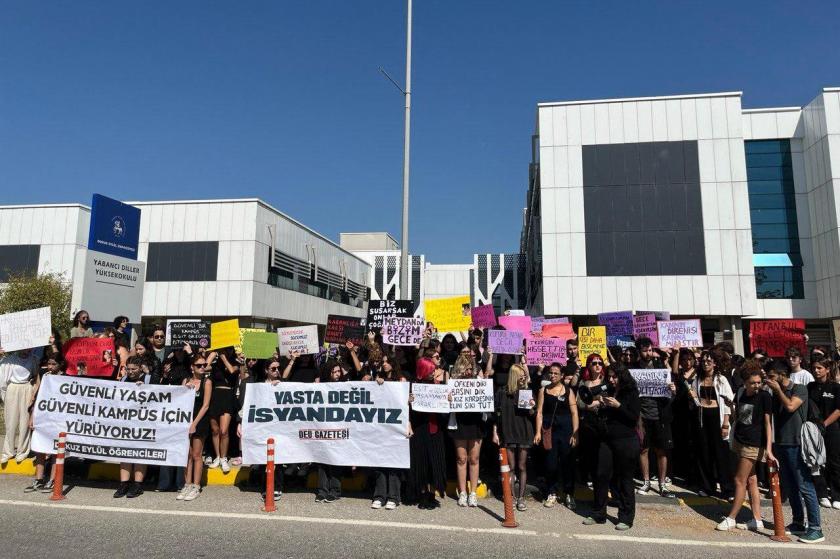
x,y
112,286
471,395
653,383
402,331
338,423
686,332
114,421
524,399
25,329
303,339
431,398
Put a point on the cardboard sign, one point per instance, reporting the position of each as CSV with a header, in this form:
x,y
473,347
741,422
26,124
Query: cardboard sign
x,y
25,329
516,323
238,347
514,312
471,395
644,326
378,309
451,314
537,324
303,339
112,286
653,383
403,331
558,330
619,326
91,357
776,336
686,332
524,399
592,339
340,329
193,332
259,345
430,398
224,334
545,351
505,341
483,316
114,227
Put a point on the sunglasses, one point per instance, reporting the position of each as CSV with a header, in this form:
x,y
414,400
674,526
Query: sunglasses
x,y
157,337
199,365
599,363
274,368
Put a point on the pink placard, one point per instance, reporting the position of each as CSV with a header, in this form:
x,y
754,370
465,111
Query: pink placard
x,y
517,324
483,316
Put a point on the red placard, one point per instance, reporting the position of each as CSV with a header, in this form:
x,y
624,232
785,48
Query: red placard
x,y
776,336
564,331
94,354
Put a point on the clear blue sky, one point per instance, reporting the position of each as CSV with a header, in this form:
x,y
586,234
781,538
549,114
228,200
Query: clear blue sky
x,y
282,100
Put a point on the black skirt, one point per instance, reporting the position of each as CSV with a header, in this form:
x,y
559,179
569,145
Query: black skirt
x,y
471,426
428,460
222,401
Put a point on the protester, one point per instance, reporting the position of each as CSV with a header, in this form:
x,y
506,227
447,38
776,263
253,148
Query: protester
x,y
824,409
557,431
52,365
81,327
129,487
468,431
300,368
387,482
751,442
514,428
797,373
158,339
590,414
329,476
224,373
790,405
199,427
427,475
685,427
618,448
17,389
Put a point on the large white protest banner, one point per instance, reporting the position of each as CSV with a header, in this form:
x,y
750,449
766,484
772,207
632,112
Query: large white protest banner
x,y
431,398
25,329
337,423
653,382
402,331
112,286
301,339
472,394
114,421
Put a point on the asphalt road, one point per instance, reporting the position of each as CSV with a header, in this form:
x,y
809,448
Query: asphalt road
x,y
227,522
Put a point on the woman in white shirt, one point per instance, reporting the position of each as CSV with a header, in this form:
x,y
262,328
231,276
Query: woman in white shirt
x,y
17,378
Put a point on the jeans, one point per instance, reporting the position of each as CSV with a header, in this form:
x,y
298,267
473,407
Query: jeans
x,y
329,481
169,474
387,485
798,485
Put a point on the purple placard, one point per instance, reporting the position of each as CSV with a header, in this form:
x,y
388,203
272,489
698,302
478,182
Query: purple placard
x,y
536,324
505,341
516,323
483,316
619,325
644,325
545,351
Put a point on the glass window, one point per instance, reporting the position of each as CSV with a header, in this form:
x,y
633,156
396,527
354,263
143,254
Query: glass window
x,y
18,260
189,261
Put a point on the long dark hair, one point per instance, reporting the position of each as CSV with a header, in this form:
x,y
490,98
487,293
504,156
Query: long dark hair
x,y
626,382
77,315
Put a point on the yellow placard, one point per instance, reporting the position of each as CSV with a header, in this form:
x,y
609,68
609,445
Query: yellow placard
x,y
592,339
224,334
238,347
449,315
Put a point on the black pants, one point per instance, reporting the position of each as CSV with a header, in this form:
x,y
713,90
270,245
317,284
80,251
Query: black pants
x,y
713,454
828,484
617,459
560,460
329,481
386,485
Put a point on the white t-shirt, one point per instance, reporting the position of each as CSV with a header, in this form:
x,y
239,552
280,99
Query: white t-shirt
x,y
802,377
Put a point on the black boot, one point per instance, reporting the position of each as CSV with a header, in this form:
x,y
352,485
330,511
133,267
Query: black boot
x,y
121,490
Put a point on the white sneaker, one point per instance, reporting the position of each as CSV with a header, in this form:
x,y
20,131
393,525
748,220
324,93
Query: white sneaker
x,y
472,500
376,504
183,492
207,460
225,465
462,499
753,524
193,493
550,500
644,489
726,524
836,505
214,463
825,503
390,505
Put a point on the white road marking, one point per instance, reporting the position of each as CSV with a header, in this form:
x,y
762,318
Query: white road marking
x,y
705,543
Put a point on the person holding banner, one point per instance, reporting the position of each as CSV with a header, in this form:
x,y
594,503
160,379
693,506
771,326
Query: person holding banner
x,y
81,325
224,373
514,427
199,427
52,365
468,432
427,475
387,481
557,422
17,380
329,476
128,488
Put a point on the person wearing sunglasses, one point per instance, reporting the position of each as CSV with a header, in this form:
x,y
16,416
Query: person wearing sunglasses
x,y
81,325
135,373
199,428
158,339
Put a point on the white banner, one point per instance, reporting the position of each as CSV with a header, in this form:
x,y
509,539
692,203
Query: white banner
x,y
430,398
402,331
114,421
25,329
112,286
303,339
338,423
471,395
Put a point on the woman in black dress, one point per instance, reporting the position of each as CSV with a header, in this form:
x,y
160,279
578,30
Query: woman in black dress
x,y
514,427
468,432
199,428
428,458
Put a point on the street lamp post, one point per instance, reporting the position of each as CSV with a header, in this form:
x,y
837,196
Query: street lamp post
x,y
407,94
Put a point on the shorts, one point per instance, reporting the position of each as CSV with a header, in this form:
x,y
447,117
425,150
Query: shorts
x,y
754,453
222,401
657,434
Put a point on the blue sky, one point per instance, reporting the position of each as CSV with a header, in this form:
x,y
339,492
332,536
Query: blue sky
x,y
282,100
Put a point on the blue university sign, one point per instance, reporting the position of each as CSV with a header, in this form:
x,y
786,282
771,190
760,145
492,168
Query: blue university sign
x,y
114,227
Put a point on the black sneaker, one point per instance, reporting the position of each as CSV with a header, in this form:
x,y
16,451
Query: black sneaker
x,y
318,498
36,486
135,490
330,499
122,490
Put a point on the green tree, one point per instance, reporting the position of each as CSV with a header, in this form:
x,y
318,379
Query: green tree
x,y
24,292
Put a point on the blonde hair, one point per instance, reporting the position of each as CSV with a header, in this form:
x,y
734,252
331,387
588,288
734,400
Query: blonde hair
x,y
462,363
516,371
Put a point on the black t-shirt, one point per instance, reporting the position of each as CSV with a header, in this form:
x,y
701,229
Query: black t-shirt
x,y
303,374
826,397
749,419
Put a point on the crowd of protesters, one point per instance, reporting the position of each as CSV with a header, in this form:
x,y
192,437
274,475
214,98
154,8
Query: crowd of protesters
x,y
727,418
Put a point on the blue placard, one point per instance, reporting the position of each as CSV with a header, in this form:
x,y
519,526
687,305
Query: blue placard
x,y
114,227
